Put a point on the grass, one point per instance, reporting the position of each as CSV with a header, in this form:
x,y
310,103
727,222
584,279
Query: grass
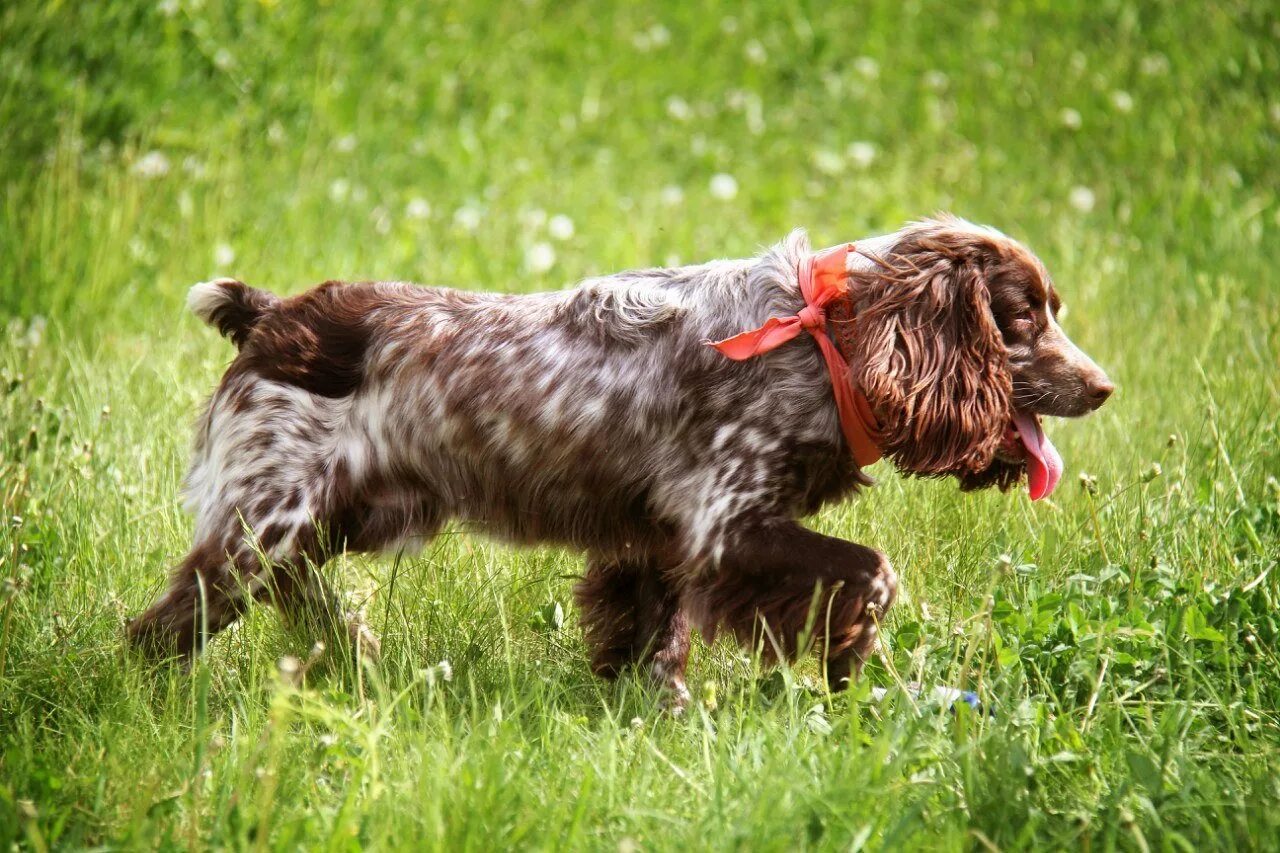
x,y
1123,635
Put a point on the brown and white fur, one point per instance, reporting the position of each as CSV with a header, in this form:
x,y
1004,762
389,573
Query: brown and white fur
x,y
360,415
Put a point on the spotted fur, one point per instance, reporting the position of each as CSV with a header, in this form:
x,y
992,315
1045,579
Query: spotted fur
x,y
361,415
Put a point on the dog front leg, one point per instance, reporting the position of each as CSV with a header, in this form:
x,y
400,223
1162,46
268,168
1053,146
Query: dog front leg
x,y
784,589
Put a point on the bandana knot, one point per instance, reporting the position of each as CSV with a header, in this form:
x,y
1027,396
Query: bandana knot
x,y
812,317
823,278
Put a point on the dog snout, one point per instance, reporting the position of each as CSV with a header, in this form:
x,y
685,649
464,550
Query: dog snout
x,y
1098,388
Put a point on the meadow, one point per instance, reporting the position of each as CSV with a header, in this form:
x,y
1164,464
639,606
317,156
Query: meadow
x,y
1123,636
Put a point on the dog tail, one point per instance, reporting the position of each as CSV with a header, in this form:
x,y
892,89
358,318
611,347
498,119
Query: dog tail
x,y
230,306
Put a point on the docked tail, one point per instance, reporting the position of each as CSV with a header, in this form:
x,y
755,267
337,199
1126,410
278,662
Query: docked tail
x,y
230,306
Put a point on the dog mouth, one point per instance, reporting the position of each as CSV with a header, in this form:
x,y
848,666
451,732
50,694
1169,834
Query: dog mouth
x,y
1025,441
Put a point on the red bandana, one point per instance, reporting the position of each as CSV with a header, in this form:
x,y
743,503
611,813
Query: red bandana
x,y
822,279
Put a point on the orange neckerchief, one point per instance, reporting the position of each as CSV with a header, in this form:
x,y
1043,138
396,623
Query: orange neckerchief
x,y
822,279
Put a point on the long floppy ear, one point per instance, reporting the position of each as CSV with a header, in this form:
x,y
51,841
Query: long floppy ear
x,y
928,354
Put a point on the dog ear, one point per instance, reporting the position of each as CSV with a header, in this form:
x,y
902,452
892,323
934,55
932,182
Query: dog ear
x,y
928,354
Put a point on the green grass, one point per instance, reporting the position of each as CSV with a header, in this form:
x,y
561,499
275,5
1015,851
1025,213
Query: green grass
x,y
1124,634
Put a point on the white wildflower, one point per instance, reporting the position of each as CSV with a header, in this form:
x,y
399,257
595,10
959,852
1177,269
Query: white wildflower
x,y
1082,199
153,164
345,144
339,190
560,227
275,133
659,36
467,217
1122,101
1154,65
381,220
446,669
1070,118
35,331
417,208
728,25
533,218
290,669
223,255
168,8
828,161
223,60
672,195
723,186
755,52
862,153
678,108
539,258
936,80
867,67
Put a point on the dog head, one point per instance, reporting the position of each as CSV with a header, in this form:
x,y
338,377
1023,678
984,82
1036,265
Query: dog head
x,y
959,352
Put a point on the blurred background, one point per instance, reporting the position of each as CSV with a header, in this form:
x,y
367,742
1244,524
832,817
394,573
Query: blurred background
x,y
1125,631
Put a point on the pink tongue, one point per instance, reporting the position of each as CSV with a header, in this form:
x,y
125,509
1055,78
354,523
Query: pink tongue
x,y
1044,465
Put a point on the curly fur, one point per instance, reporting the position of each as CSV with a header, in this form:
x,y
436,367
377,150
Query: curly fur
x,y
361,415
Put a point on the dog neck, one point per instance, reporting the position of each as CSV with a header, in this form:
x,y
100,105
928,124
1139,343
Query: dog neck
x,y
823,279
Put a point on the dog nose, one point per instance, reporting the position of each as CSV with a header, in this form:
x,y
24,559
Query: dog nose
x,y
1098,389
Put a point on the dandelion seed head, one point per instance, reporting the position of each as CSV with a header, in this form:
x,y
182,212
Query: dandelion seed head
x,y
827,161
1082,199
560,227
418,209
467,217
539,258
223,255
1154,65
867,67
678,108
861,153
153,164
723,186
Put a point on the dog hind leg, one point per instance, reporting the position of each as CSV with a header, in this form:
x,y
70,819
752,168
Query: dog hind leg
x,y
632,617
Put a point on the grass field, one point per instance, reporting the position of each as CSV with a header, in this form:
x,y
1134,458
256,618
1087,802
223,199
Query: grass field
x,y
1124,635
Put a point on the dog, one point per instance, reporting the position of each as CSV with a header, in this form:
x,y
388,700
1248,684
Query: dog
x,y
607,418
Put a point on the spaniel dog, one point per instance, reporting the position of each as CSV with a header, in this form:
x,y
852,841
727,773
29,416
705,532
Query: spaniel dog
x,y
357,416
